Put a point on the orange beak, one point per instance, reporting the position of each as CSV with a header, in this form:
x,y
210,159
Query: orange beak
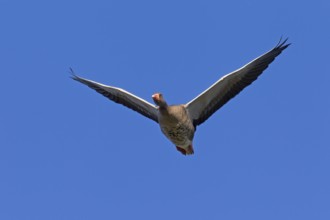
x,y
155,96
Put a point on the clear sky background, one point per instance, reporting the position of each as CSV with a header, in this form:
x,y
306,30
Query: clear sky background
x,y
67,152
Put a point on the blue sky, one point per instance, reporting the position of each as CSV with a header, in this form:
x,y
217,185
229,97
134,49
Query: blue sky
x,y
66,152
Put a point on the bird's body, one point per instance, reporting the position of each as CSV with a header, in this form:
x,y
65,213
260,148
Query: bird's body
x,y
179,122
177,126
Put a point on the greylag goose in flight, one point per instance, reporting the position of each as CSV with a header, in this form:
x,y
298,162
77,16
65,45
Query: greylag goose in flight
x,y
179,122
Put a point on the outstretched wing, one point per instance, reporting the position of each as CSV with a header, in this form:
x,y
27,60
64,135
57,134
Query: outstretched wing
x,y
122,97
208,102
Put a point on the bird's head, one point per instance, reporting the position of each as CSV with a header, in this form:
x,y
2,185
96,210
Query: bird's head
x,y
159,100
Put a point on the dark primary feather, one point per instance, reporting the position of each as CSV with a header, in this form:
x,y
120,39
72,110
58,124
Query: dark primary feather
x,y
241,78
121,96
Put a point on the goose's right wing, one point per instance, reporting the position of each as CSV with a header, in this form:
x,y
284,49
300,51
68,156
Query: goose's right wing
x,y
122,97
209,101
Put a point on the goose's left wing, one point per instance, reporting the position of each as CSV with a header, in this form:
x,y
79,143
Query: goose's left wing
x,y
122,97
208,102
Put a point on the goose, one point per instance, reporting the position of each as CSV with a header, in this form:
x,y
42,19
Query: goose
x,y
178,122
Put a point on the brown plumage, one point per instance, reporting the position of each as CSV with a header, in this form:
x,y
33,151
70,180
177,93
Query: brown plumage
x,y
175,124
178,122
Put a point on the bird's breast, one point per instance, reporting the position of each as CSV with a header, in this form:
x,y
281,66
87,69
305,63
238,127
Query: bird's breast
x,y
179,134
176,125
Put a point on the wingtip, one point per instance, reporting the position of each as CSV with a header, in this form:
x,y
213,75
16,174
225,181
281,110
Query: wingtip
x,y
73,74
282,43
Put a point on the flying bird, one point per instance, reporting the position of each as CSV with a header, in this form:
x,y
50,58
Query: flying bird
x,y
179,122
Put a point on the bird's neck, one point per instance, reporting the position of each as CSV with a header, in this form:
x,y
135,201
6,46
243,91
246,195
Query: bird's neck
x,y
163,105
163,109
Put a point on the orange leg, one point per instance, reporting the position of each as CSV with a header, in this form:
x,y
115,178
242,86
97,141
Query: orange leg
x,y
189,151
183,151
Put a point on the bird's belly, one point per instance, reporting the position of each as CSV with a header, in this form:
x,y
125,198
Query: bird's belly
x,y
178,134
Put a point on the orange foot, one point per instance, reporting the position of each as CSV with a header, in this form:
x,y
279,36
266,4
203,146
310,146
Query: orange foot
x,y
189,151
183,151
